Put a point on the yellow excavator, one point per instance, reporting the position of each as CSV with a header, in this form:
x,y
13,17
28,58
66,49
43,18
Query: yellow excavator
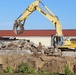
x,y
20,21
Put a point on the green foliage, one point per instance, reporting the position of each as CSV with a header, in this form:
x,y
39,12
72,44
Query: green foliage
x,y
42,72
9,69
53,74
1,71
24,68
67,71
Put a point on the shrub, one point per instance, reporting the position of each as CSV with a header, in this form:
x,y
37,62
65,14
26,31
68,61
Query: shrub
x,y
67,71
24,68
42,72
9,69
1,71
53,74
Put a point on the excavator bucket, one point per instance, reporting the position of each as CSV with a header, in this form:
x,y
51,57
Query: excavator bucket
x,y
16,26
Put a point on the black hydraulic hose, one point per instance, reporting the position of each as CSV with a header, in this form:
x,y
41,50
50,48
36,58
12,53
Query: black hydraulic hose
x,y
19,16
23,22
42,3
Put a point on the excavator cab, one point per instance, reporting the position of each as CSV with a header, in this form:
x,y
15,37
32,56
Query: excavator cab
x,y
56,41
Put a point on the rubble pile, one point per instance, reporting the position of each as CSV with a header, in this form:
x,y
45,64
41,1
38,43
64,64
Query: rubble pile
x,y
26,45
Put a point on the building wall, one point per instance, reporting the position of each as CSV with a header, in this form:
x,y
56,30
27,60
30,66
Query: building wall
x,y
36,39
69,37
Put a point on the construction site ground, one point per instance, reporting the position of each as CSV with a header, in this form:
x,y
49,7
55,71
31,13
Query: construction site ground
x,y
13,53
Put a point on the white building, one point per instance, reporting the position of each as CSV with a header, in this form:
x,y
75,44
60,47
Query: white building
x,y
43,36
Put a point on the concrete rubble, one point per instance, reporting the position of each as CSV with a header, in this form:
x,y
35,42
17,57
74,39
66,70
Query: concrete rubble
x,y
25,45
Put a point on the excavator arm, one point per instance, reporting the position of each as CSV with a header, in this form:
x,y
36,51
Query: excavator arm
x,y
49,15
18,22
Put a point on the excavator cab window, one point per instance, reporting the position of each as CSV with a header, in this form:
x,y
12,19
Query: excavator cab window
x,y
60,40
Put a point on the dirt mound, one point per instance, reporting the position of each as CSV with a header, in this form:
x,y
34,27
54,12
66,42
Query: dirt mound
x,y
40,59
40,62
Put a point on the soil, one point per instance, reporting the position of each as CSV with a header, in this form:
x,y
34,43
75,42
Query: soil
x,y
39,62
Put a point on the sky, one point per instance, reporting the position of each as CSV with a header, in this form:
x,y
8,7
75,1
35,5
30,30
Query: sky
x,y
65,10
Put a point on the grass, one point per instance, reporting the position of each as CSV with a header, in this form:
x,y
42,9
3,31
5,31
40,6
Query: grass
x,y
25,69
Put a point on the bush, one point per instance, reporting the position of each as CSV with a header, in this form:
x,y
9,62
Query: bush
x,y
8,69
1,71
53,74
67,71
24,68
42,72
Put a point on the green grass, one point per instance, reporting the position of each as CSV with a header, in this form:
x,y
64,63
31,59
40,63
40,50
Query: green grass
x,y
14,74
25,69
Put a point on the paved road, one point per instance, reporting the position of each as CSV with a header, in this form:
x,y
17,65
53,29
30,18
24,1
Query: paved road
x,y
11,52
68,53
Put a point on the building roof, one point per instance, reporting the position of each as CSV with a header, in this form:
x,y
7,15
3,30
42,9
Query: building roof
x,y
37,33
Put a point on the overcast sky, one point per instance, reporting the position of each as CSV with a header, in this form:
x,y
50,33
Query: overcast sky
x,y
64,9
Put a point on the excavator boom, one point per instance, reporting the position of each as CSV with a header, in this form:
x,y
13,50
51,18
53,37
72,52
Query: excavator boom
x,y
55,21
